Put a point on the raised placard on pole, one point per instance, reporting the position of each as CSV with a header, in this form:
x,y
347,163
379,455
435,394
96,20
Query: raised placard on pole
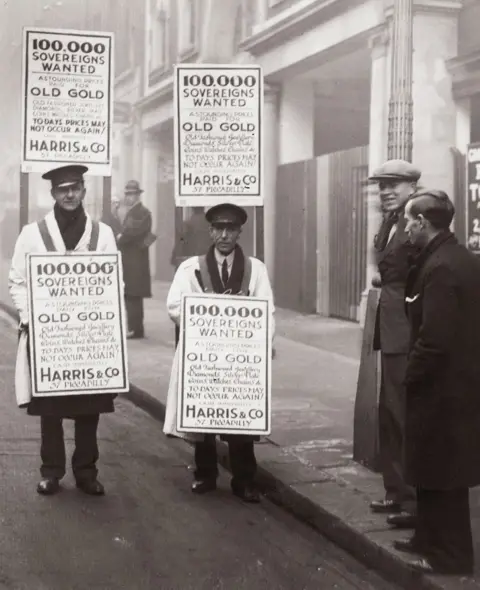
x,y
218,135
77,324
225,365
68,106
472,217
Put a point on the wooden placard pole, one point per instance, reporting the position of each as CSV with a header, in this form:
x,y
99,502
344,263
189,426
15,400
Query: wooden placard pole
x,y
23,205
107,197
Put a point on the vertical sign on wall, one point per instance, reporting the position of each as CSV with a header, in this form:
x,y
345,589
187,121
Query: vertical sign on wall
x,y
472,221
68,100
218,135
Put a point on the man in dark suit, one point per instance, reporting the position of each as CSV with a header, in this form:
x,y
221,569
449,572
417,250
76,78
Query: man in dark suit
x,y
133,242
396,182
442,424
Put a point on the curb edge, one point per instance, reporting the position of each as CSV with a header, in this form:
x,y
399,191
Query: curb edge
x,y
371,554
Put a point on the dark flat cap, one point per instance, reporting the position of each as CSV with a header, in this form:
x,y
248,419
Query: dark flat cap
x,y
396,170
227,213
65,175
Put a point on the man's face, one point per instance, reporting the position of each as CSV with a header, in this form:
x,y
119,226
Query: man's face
x,y
69,197
131,199
415,228
225,236
394,194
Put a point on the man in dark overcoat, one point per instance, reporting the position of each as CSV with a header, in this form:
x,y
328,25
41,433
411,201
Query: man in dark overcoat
x,y
133,243
65,229
442,425
396,182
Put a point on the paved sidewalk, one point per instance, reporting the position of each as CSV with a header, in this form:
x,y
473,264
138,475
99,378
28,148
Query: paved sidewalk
x,y
306,464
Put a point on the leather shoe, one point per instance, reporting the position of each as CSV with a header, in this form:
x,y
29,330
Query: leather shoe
x,y
92,487
248,494
407,546
426,566
385,507
422,565
202,486
404,520
48,486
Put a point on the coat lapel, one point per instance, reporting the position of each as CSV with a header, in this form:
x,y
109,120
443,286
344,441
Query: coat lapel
x,y
54,232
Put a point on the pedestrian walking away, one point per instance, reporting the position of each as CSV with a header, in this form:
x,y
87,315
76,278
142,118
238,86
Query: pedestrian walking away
x,y
442,424
133,242
224,269
65,229
396,182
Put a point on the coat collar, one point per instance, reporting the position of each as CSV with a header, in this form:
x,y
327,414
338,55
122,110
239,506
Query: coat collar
x,y
57,239
137,205
418,262
399,235
442,238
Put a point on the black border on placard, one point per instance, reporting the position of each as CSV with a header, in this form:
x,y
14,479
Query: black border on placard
x,y
259,143
256,432
468,216
33,352
25,114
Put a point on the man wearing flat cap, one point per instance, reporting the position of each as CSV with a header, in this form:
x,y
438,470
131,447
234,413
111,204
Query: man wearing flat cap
x,y
224,269
67,228
133,242
397,180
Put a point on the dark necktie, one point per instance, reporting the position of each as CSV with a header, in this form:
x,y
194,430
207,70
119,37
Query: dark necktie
x,y
225,273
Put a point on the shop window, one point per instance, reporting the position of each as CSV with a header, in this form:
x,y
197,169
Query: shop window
x,y
188,26
160,34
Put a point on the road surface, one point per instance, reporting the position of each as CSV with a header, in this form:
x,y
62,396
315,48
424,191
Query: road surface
x,y
149,531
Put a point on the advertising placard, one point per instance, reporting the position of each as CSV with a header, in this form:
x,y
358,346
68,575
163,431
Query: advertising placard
x,y
68,106
77,326
472,221
218,135
225,365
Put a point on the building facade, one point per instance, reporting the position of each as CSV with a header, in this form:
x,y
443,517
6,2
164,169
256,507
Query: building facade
x,y
327,71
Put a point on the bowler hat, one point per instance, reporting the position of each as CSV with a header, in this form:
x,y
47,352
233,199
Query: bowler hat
x,y
227,213
133,186
65,175
399,170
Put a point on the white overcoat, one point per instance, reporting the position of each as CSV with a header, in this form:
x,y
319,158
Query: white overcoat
x,y
185,282
30,241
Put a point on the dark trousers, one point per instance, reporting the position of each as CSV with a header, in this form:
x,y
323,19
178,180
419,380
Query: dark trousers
x,y
391,423
134,307
242,460
52,450
443,530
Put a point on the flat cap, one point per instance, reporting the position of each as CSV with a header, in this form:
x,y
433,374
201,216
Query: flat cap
x,y
65,175
227,213
396,170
